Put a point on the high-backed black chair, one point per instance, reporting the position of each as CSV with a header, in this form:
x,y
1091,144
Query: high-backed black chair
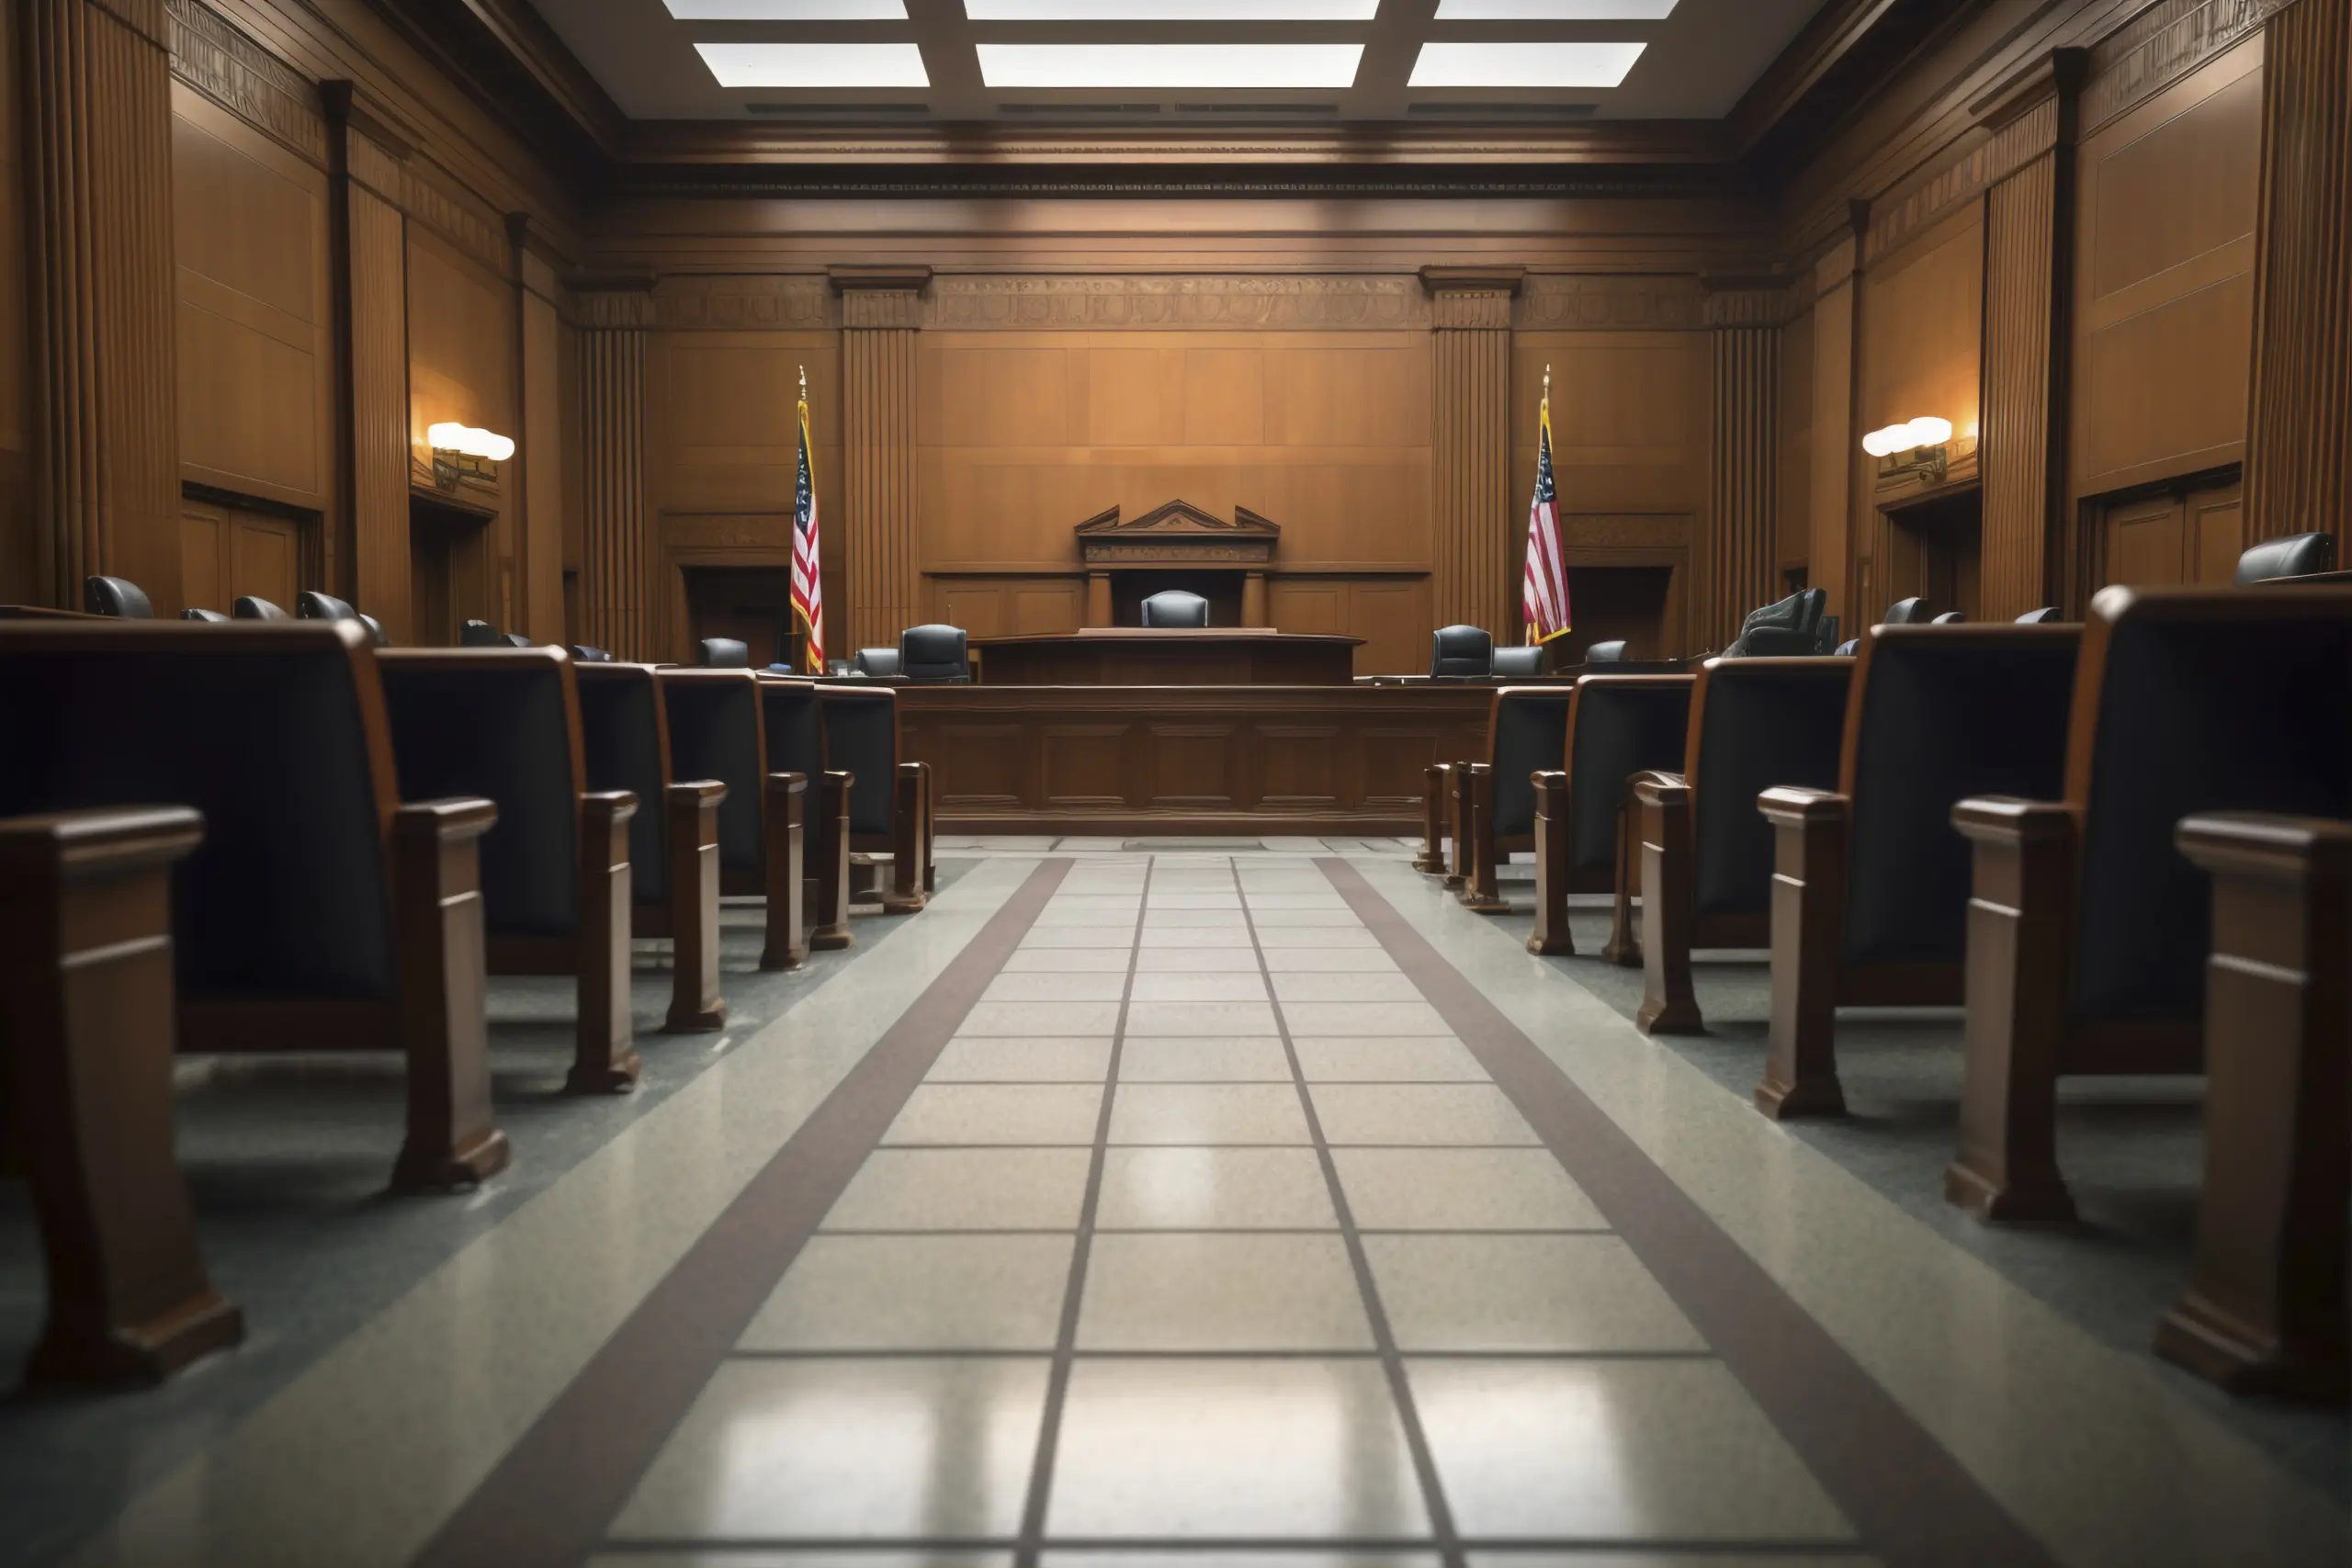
x,y
504,724
723,653
2045,616
718,731
117,596
1610,652
1460,651
1175,607
312,605
1870,897
2296,554
479,634
672,852
1519,663
933,653
585,655
1705,875
321,912
1785,629
876,662
209,617
1825,637
1851,647
1527,730
1913,612
889,800
1948,618
1618,726
2087,946
250,608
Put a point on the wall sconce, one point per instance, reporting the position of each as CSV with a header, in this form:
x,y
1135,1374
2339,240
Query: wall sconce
x,y
461,451
1922,446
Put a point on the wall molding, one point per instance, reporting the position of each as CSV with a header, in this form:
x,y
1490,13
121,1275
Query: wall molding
x,y
2159,45
1148,303
211,55
745,302
1654,303
433,198
612,302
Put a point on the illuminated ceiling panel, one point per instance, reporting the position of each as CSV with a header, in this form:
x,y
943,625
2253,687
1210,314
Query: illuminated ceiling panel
x,y
1205,65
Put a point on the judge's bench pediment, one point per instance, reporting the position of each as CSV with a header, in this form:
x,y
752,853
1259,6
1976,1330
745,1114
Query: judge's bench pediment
x,y
1177,530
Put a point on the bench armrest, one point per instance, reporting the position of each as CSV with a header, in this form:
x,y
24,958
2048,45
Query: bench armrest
x,y
1658,787
1791,806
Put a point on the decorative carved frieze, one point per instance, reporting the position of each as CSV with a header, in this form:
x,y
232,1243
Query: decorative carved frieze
x,y
1754,303
2159,45
744,303
433,198
877,309
1472,298
371,164
1320,304
1636,303
1625,530
614,302
211,56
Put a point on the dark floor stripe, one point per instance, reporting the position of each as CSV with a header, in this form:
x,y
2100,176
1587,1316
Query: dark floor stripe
x,y
549,1501
1914,1503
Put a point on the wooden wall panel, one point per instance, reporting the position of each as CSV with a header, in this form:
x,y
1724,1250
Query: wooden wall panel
x,y
542,442
1831,476
460,340
2164,279
1793,546
2023,370
376,246
1394,615
19,577
1015,607
880,530
1922,311
1735,569
255,338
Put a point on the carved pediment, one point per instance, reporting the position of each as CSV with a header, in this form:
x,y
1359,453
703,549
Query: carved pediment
x,y
1179,531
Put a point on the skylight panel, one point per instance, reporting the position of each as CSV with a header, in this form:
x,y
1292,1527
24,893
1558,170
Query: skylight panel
x,y
815,64
1171,10
1523,64
787,10
1554,10
1328,65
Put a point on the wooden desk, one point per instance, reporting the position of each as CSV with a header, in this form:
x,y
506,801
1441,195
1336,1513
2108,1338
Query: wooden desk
x,y
1156,655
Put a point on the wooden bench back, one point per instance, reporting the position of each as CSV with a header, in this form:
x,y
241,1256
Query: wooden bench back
x,y
861,736
794,732
625,743
1618,726
277,733
503,724
2190,701
715,732
1527,730
1940,714
1755,723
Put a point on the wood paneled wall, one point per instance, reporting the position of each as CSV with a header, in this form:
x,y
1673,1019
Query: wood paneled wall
x,y
20,578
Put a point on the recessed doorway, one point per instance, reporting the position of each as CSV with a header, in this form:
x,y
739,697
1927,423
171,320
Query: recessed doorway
x,y
1934,550
449,569
1631,603
751,604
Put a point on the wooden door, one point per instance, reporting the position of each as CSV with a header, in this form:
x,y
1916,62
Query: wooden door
x,y
227,552
2179,536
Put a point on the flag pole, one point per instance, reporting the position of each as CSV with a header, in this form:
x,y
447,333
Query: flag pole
x,y
1543,421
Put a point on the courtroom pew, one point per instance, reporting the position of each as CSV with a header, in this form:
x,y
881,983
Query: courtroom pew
x,y
888,800
1527,731
1870,888
795,735
503,724
1618,726
673,854
321,913
1705,873
718,730
85,1092
2088,933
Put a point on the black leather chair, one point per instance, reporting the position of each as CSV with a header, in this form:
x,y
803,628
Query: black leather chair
x,y
312,605
1907,613
590,655
1610,652
117,596
1618,726
1825,637
1527,731
2045,616
876,662
249,608
1787,628
723,653
1846,649
479,634
1461,651
1517,663
933,653
212,617
1948,618
2297,555
1175,607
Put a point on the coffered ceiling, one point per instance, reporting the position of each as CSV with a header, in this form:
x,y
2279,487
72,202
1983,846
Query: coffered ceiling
x,y
1176,63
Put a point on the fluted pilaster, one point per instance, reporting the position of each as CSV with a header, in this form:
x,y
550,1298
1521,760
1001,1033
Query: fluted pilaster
x,y
2298,419
96,78
881,312
1733,570
614,587
1475,525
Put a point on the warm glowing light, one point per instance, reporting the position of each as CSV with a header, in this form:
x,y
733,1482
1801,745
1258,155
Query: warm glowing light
x,y
1925,431
1885,443
451,436
1930,431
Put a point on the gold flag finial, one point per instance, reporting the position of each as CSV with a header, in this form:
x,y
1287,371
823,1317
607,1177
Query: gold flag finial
x,y
1547,383
804,382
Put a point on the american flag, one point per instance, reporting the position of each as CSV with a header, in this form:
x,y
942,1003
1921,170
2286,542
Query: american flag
x,y
1544,595
807,594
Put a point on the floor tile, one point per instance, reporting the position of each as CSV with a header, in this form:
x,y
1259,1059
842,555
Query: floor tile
x,y
1027,1020
1417,1113
1666,1560
1341,916
1059,913
1462,1190
1272,937
1203,1059
1207,1114
1413,1017
1291,1448
1367,960
1113,902
1219,986
1105,960
1301,900
1241,1560
732,1558
840,1450
1159,917
1208,1188
998,1113
1581,1293
1223,898
1120,936
1235,935
1387,986
1380,1059
1615,1451
1069,1060
963,1190
1101,985
1201,1018
918,1292
1254,881
1195,961
1201,1290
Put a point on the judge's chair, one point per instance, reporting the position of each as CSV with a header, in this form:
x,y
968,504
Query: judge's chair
x,y
2297,555
723,653
1517,663
1461,652
1787,628
933,653
876,662
117,596
1175,607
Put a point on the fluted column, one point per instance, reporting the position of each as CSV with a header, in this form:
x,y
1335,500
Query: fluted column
x,y
2029,230
2299,418
613,315
1475,543
95,80
1837,287
881,311
1734,568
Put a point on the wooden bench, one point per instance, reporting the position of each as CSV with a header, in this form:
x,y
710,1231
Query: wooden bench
x,y
1527,733
1705,850
503,724
1618,726
673,855
320,913
1869,884
718,730
888,800
2088,933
